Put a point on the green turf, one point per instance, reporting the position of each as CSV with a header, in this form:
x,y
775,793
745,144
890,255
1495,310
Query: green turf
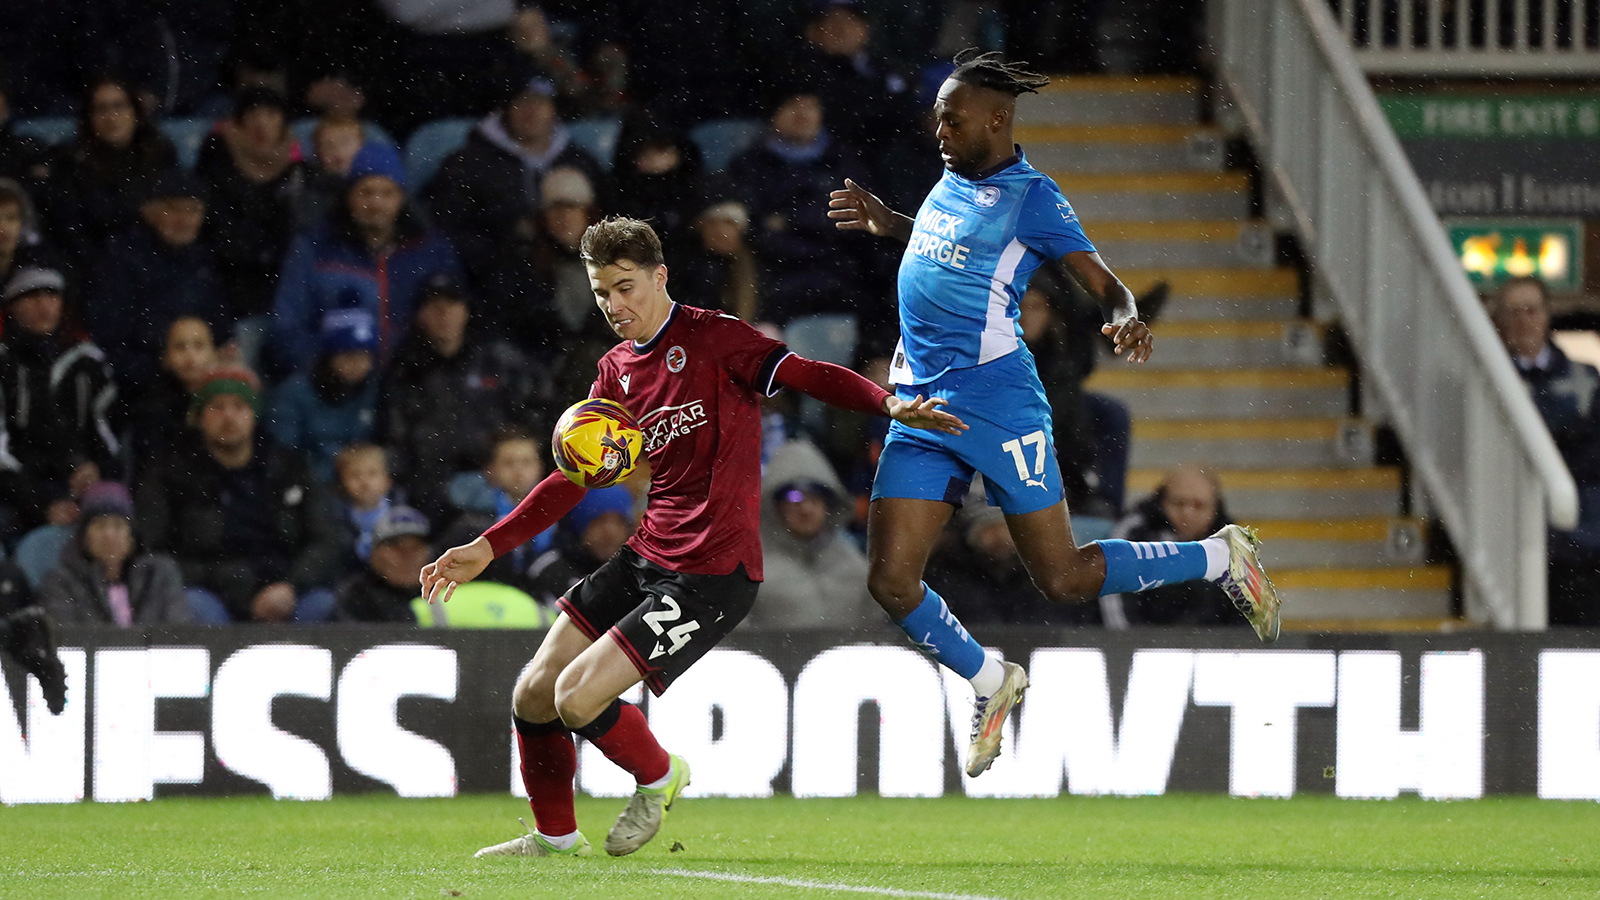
x,y
1175,846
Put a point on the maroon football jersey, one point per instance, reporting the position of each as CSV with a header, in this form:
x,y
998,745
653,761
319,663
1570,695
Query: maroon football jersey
x,y
696,389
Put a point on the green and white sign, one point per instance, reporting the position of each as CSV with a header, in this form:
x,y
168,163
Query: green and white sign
x,y
1492,250
1490,117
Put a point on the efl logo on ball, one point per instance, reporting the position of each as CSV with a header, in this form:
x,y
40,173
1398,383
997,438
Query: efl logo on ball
x,y
597,443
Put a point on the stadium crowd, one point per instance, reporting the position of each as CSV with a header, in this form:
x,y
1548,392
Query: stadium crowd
x,y
291,291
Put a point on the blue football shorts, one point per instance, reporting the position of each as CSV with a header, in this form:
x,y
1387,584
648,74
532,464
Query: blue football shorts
x,y
1009,441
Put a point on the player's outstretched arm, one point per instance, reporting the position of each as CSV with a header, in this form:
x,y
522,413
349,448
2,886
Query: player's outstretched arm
x,y
1127,333
854,208
838,386
454,567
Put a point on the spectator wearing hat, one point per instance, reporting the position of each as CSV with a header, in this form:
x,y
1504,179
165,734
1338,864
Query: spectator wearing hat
x,y
256,537
720,264
816,576
585,538
252,164
1186,506
374,252
334,403
385,587
103,579
450,388
489,191
58,397
783,182
163,267
97,182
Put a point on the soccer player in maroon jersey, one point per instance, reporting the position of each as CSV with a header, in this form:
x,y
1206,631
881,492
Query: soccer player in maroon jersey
x,y
695,380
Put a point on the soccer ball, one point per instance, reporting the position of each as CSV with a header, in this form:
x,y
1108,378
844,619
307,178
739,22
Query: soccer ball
x,y
597,443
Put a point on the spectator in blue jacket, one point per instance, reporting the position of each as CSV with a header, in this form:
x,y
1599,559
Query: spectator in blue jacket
x,y
334,403
161,268
374,252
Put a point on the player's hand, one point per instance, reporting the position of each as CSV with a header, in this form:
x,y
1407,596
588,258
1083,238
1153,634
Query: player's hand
x,y
920,413
457,566
1130,335
856,209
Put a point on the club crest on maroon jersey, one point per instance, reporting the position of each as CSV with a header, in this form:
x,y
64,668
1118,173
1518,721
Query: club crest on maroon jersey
x,y
676,359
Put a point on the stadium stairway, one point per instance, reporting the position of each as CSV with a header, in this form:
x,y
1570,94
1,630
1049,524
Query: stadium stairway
x,y
1238,381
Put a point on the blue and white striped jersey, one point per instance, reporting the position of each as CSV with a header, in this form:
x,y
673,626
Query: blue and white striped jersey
x,y
974,245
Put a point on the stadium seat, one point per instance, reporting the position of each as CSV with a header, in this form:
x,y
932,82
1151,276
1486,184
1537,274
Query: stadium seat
x,y
39,552
187,135
483,604
827,337
721,140
598,136
428,147
303,128
53,130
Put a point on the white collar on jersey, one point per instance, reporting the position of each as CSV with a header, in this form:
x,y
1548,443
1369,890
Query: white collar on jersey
x,y
647,346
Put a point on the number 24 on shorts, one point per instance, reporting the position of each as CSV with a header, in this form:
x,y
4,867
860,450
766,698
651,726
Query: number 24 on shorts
x,y
1014,447
679,635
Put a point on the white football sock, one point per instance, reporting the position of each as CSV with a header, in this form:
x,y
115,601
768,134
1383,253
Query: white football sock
x,y
564,842
989,677
1216,557
661,782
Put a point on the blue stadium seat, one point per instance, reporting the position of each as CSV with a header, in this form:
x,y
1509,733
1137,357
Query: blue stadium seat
x,y
720,140
303,128
39,552
53,130
428,147
187,135
598,136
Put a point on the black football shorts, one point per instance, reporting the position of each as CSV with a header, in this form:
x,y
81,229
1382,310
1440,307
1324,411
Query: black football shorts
x,y
663,620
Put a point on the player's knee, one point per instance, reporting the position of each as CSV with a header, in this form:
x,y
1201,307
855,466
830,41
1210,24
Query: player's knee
x,y
534,699
896,592
573,703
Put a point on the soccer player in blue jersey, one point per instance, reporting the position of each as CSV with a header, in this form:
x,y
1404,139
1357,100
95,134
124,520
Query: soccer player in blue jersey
x,y
983,230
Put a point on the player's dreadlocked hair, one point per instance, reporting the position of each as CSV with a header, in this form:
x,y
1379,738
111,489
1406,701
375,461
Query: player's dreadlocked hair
x,y
989,70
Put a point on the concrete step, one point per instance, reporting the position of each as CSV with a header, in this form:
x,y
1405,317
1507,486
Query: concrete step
x,y
1079,149
1369,542
1284,393
1090,99
1201,294
1422,592
1157,195
1235,344
1300,494
1329,443
1222,244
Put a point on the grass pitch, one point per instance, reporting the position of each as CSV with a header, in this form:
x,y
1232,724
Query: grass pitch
x,y
1158,847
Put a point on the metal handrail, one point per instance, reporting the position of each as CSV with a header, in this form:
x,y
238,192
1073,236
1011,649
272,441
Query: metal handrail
x,y
1469,426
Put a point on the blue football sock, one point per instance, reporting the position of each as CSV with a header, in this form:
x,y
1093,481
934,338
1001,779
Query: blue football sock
x,y
1139,566
936,632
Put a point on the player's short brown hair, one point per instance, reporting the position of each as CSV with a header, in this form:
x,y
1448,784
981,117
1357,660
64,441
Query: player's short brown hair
x,y
617,238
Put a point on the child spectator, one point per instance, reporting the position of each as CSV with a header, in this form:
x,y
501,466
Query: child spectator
x,y
368,490
515,464
320,411
384,589
103,580
719,262
587,536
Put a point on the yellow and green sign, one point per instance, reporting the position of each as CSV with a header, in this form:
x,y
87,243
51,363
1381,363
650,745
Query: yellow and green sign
x,y
1492,250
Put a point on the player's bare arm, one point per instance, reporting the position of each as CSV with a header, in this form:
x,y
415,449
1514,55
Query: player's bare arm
x,y
854,208
1127,333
